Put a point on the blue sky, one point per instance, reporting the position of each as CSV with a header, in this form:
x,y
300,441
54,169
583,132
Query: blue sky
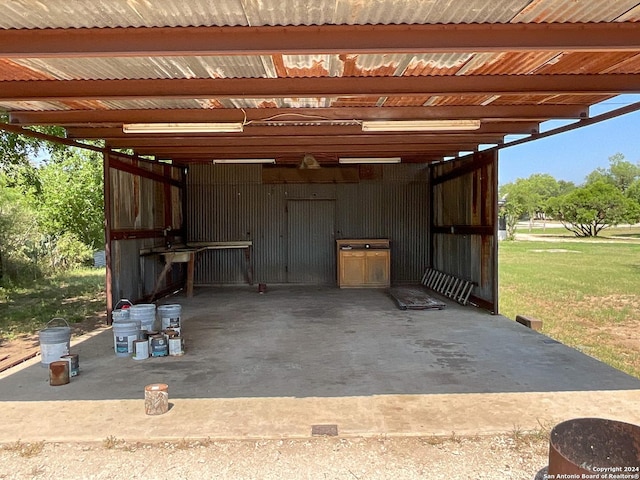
x,y
572,155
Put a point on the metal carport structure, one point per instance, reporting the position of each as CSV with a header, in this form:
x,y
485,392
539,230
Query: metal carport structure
x,y
300,81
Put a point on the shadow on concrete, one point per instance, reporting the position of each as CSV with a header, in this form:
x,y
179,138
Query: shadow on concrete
x,y
326,342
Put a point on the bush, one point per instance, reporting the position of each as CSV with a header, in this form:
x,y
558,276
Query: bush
x,y
69,252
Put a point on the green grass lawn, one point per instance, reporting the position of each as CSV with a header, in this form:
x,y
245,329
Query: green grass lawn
x,y
586,294
74,296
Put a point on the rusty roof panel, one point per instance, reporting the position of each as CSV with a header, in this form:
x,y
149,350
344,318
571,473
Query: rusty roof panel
x,y
572,11
439,100
631,65
356,102
405,101
32,106
152,104
585,63
117,68
309,66
436,64
549,99
371,65
511,63
578,99
14,71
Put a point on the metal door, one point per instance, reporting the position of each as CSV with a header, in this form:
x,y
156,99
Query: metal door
x,y
311,242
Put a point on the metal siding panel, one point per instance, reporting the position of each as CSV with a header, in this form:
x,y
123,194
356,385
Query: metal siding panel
x,y
466,200
396,209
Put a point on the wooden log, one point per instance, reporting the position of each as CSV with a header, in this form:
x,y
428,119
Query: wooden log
x,y
530,322
156,399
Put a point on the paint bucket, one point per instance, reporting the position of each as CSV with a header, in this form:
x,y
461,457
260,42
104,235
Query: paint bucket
x,y
54,342
74,363
169,316
175,346
124,334
170,333
146,313
141,350
120,315
158,346
58,373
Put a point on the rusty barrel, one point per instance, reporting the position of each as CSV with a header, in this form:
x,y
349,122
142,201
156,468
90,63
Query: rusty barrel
x,y
594,446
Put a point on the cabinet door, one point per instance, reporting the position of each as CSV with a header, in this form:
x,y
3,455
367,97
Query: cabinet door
x,y
377,268
352,268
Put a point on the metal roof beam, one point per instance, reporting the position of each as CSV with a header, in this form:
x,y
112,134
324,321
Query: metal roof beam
x,y
304,40
309,131
52,90
489,112
243,141
261,150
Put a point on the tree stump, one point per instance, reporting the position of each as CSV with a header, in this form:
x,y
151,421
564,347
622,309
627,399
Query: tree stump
x,y
156,399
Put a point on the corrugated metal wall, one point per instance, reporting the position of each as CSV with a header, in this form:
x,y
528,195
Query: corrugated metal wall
x,y
464,222
230,203
139,211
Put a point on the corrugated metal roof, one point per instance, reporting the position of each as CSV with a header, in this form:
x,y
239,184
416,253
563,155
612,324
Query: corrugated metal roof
x,y
632,15
572,11
113,68
160,13
512,63
585,62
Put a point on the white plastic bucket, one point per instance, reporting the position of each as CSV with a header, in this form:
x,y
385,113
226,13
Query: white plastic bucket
x,y
120,315
124,334
146,313
54,342
169,316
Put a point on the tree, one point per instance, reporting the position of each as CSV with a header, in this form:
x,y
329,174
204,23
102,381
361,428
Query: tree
x,y
532,194
620,173
633,192
71,200
511,211
587,210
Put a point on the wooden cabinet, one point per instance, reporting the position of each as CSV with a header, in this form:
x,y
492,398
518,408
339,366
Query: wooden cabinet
x,y
363,263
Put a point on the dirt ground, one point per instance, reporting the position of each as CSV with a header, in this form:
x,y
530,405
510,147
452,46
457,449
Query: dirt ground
x,y
24,347
513,456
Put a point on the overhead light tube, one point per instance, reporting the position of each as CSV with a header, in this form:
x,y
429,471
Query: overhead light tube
x,y
352,160
226,127
419,125
243,160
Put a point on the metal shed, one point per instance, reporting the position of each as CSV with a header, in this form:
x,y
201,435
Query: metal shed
x,y
188,96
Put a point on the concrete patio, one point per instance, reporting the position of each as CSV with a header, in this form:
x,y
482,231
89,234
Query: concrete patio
x,y
273,365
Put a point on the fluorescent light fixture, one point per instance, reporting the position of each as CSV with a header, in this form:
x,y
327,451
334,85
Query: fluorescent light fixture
x,y
244,160
351,160
182,127
418,125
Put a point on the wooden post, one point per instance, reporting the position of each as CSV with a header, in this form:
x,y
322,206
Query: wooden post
x,y
156,399
190,273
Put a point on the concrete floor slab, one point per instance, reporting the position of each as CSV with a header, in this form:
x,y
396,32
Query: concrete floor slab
x,y
273,365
